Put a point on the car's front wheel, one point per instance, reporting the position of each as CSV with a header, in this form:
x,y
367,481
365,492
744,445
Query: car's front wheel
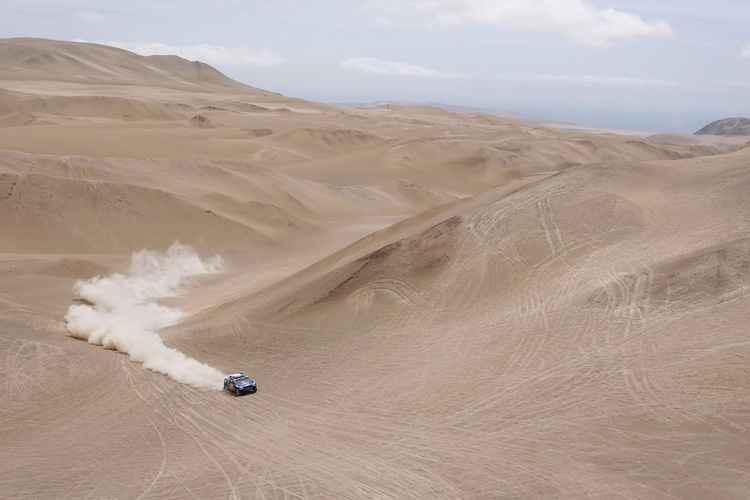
x,y
236,391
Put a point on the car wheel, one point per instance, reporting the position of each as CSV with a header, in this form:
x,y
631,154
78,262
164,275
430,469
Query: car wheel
x,y
236,392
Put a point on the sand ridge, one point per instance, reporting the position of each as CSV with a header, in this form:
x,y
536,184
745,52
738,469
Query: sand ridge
x,y
434,305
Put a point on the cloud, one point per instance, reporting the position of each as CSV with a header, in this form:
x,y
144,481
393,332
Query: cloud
x,y
372,65
592,80
121,313
211,54
578,20
745,54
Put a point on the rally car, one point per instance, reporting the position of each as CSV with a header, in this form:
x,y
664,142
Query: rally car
x,y
239,383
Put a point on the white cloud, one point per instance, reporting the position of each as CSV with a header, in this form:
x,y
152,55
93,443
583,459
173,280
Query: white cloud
x,y
577,20
594,80
211,54
372,65
745,54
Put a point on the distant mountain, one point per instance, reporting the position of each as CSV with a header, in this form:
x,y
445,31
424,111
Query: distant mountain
x,y
538,120
727,126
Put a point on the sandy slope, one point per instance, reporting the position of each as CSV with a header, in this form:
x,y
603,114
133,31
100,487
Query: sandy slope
x,y
434,305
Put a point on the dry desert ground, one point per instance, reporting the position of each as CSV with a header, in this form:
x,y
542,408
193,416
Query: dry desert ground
x,y
434,305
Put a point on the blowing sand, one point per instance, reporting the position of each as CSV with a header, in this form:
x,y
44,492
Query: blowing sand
x,y
434,305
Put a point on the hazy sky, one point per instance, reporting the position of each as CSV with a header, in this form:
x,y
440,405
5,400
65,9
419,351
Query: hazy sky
x,y
670,65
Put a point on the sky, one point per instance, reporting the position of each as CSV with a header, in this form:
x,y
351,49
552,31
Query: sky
x,y
661,65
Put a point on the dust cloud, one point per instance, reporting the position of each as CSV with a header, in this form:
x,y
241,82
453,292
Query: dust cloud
x,y
122,314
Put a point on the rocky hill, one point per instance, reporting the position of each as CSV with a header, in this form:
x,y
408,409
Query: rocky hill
x,y
727,126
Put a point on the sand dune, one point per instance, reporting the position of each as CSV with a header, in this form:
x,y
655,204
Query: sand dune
x,y
562,219
434,305
94,106
83,204
327,139
23,118
146,103
44,214
37,59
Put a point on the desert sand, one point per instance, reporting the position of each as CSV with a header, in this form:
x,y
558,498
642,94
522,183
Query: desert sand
x,y
433,304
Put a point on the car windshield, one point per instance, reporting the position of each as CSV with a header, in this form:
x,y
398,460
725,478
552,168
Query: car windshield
x,y
242,380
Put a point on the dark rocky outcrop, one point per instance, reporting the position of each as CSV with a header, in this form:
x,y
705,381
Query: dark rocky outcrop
x,y
727,126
